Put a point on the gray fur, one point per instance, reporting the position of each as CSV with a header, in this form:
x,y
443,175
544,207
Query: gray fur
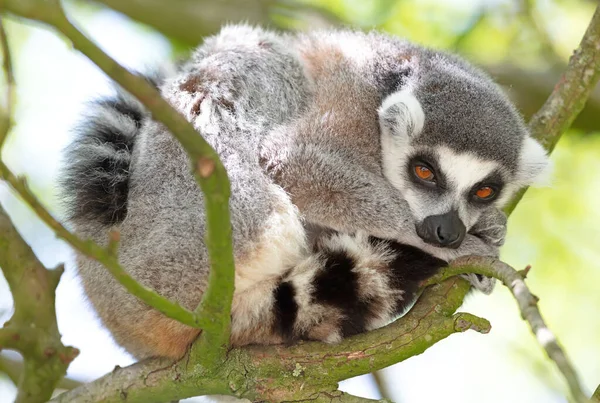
x,y
295,122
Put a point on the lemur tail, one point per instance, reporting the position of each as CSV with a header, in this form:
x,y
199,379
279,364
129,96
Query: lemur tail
x,y
348,285
95,180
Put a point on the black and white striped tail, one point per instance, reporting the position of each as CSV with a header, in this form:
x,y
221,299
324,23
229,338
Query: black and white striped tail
x,y
351,284
95,180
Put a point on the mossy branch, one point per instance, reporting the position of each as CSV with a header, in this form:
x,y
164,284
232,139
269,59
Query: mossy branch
x,y
300,372
13,369
213,313
32,329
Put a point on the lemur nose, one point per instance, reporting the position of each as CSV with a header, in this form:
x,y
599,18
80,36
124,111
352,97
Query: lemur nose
x,y
446,230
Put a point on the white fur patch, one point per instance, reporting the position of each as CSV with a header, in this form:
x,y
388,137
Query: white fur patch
x,y
535,167
281,246
464,170
411,119
252,307
401,118
118,121
310,314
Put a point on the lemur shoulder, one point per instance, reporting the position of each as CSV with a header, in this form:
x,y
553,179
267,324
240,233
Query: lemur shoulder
x,y
356,163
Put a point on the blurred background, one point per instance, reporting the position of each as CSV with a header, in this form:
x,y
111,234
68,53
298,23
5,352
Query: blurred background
x,y
523,44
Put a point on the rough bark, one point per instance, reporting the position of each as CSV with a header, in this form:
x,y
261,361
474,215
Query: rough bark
x,y
32,330
296,373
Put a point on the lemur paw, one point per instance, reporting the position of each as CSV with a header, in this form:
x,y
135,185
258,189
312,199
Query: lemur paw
x,y
491,227
481,283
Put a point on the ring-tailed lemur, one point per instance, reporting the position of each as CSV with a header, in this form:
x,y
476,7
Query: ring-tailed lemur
x,y
295,122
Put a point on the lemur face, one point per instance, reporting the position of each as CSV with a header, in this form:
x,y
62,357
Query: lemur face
x,y
448,186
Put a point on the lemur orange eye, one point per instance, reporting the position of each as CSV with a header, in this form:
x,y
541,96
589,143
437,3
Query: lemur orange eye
x,y
424,173
484,192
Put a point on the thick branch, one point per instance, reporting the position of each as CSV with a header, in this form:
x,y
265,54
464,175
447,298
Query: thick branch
x,y
277,373
215,306
337,396
32,330
527,305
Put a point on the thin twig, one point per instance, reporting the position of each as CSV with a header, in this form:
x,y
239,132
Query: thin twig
x,y
596,395
528,305
6,115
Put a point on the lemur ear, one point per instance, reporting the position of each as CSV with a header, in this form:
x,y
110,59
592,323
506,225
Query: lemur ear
x,y
535,168
401,115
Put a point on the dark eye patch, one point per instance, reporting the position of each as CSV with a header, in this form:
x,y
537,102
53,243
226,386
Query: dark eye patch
x,y
430,160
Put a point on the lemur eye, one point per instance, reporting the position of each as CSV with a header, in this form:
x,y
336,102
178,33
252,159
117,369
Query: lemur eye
x,y
485,192
424,173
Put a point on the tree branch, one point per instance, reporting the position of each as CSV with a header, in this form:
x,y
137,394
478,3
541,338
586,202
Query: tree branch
x,y
528,305
210,174
596,395
570,93
13,368
6,114
7,368
337,396
278,373
32,329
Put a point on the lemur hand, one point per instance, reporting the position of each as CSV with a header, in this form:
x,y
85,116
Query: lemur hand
x,y
490,228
